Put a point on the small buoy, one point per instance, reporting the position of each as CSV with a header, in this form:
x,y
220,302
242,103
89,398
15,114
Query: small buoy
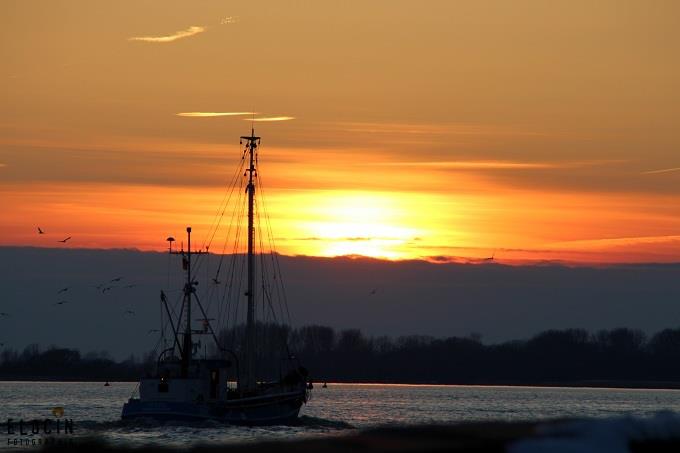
x,y
107,384
58,411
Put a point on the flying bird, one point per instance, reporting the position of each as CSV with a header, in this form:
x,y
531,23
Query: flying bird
x,y
117,279
108,288
129,312
64,240
61,302
62,290
40,231
3,314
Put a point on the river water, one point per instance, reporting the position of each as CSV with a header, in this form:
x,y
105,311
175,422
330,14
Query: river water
x,y
340,408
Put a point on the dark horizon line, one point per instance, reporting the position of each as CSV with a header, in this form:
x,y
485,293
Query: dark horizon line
x,y
451,259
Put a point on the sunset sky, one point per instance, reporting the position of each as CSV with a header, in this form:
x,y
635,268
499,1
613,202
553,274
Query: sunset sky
x,y
441,130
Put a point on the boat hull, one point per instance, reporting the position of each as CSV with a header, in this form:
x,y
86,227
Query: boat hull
x,y
260,410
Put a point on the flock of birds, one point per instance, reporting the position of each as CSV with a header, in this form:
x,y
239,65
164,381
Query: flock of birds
x,y
105,287
112,284
63,241
101,287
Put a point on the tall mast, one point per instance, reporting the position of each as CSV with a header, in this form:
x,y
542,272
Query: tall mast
x,y
249,379
187,347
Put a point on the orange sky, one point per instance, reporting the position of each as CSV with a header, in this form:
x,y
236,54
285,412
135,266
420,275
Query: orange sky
x,y
439,130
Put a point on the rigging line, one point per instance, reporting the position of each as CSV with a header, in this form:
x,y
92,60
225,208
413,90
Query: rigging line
x,y
266,297
274,253
232,180
238,205
229,283
233,186
242,262
136,389
177,302
263,265
237,298
284,338
221,210
235,220
236,282
168,322
263,269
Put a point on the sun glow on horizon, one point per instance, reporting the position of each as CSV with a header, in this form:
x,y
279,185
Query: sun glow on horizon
x,y
352,223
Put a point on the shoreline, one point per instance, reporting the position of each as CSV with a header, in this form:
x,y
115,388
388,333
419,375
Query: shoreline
x,y
584,384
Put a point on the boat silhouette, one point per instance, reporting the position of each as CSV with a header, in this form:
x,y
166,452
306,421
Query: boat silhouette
x,y
228,384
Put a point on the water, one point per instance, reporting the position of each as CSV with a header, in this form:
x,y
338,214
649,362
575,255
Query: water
x,y
339,409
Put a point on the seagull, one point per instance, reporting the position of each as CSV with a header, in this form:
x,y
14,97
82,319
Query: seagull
x,y
40,231
108,288
62,290
61,302
64,240
117,279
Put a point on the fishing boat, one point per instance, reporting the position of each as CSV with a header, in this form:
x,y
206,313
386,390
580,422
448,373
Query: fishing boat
x,y
240,379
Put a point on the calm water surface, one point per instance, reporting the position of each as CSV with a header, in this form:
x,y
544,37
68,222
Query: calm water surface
x,y
95,409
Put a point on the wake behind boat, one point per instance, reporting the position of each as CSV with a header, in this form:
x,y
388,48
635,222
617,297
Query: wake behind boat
x,y
249,376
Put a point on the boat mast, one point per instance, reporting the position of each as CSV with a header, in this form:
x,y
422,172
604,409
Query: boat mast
x,y
188,346
249,379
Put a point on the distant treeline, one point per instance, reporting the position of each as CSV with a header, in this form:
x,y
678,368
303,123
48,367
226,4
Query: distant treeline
x,y
68,364
569,357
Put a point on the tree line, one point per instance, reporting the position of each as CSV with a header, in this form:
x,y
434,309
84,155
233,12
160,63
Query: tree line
x,y
570,357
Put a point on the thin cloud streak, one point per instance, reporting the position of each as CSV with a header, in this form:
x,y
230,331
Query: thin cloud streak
x,y
271,118
212,114
663,170
473,165
497,164
617,242
191,31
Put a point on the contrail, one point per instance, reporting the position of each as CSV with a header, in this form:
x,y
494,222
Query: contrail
x,y
271,118
210,114
191,31
663,170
